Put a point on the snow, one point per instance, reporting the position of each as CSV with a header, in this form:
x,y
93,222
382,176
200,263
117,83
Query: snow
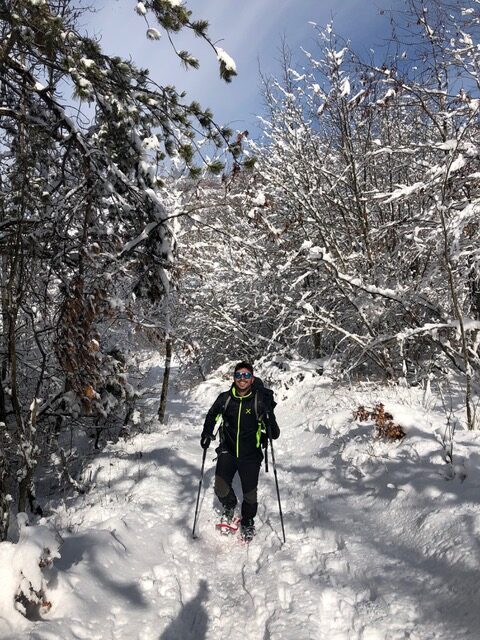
x,y
151,142
223,56
153,34
86,62
345,87
140,238
260,199
402,191
381,537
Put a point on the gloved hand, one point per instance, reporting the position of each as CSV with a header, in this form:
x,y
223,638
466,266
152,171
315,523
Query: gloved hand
x,y
205,441
263,440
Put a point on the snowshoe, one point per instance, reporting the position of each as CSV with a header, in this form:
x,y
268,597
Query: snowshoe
x,y
228,524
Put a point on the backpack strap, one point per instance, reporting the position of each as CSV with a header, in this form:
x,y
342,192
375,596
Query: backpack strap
x,y
220,417
227,401
259,405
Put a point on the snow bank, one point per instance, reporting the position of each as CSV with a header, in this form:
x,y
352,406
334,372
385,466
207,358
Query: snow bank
x,y
381,536
23,582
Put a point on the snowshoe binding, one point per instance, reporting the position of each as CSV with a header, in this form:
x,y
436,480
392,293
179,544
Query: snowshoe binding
x,y
228,524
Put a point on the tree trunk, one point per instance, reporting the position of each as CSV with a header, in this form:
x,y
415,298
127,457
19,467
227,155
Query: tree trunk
x,y
4,502
166,377
317,344
23,486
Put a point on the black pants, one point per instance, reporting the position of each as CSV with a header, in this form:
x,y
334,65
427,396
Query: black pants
x,y
248,470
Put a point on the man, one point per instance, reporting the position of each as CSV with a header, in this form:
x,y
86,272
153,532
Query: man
x,y
248,417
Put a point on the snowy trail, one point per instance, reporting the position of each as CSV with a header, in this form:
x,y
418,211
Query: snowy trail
x,y
380,546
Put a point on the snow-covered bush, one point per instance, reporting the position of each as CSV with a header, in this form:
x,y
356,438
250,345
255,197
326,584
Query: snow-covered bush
x,y
356,233
24,584
369,172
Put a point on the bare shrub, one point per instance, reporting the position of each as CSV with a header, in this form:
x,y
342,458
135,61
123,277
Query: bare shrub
x,y
385,427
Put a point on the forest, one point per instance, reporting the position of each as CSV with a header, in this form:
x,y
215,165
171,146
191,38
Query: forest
x,y
130,217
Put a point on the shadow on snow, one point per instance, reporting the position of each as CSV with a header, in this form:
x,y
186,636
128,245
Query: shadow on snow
x,y
192,620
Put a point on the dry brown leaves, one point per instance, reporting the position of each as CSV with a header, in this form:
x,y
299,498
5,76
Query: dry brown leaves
x,y
77,345
385,427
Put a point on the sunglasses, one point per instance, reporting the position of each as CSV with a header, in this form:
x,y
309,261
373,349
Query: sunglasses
x,y
239,376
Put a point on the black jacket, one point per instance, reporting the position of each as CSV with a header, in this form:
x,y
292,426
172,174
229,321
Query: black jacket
x,y
241,432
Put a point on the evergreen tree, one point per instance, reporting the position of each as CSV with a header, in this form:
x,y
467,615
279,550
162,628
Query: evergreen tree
x,y
83,217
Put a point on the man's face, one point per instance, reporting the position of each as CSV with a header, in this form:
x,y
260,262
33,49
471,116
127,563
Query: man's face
x,y
243,379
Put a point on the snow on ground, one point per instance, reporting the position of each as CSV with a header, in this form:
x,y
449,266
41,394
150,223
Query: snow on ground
x,y
382,538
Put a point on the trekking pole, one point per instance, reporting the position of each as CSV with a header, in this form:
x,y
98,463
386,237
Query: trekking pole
x,y
276,483
266,456
199,489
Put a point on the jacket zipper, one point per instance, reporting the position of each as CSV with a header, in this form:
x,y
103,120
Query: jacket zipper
x,y
238,426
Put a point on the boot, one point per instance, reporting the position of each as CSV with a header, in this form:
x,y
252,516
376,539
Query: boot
x,y
247,529
227,515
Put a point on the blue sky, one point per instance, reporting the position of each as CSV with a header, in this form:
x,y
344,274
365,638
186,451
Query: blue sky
x,y
250,31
